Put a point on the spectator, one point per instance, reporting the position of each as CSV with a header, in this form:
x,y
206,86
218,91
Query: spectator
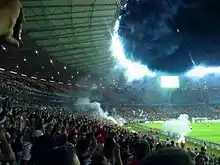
x,y
169,156
62,155
141,151
7,154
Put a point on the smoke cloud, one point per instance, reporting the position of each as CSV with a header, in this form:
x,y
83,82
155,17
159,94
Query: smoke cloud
x,y
180,126
95,108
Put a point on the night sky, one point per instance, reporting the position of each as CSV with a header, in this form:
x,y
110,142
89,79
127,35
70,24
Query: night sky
x,y
171,35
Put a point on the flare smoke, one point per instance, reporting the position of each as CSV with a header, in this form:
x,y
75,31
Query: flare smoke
x,y
180,126
86,104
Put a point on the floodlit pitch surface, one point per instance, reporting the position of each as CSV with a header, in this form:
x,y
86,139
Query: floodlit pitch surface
x,y
202,131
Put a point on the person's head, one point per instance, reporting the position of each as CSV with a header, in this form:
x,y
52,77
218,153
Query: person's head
x,y
99,159
158,146
49,129
168,156
40,149
62,139
182,145
64,155
82,146
141,150
168,145
109,147
36,134
203,149
73,137
177,144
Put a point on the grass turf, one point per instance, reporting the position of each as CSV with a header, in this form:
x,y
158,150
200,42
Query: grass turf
x,y
203,131
199,130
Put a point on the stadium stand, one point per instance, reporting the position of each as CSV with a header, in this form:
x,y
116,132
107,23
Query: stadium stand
x,y
61,104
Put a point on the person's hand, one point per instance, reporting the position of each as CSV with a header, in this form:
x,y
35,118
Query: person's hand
x,y
2,134
117,149
116,146
64,131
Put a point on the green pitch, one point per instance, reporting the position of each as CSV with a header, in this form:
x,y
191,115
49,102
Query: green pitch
x,y
202,131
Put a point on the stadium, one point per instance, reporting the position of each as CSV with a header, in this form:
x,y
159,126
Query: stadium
x,y
118,82
195,96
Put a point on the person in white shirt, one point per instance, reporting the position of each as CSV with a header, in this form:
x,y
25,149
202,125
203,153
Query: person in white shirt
x,y
27,145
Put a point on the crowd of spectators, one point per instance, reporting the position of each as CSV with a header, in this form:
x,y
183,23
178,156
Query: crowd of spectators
x,y
34,91
149,92
158,113
52,135
58,136
34,132
42,133
16,83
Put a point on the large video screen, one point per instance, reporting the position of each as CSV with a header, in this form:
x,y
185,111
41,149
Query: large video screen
x,y
171,82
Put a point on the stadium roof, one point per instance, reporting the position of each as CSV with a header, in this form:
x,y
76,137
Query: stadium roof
x,y
65,38
76,32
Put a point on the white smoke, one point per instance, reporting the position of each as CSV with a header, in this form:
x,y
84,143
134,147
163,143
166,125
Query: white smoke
x,y
120,120
180,126
95,107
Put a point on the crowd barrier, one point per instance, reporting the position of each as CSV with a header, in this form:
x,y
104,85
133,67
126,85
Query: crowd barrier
x,y
208,144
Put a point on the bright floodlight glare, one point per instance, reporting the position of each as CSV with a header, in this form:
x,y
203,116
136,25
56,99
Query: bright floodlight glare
x,y
51,61
169,82
198,71
201,71
4,48
133,70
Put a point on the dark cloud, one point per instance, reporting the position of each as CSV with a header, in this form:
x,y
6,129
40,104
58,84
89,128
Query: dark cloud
x,y
161,32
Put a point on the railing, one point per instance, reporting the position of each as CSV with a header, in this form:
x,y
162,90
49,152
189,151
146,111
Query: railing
x,y
208,144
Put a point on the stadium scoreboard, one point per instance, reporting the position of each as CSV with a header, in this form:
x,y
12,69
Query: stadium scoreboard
x,y
169,82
